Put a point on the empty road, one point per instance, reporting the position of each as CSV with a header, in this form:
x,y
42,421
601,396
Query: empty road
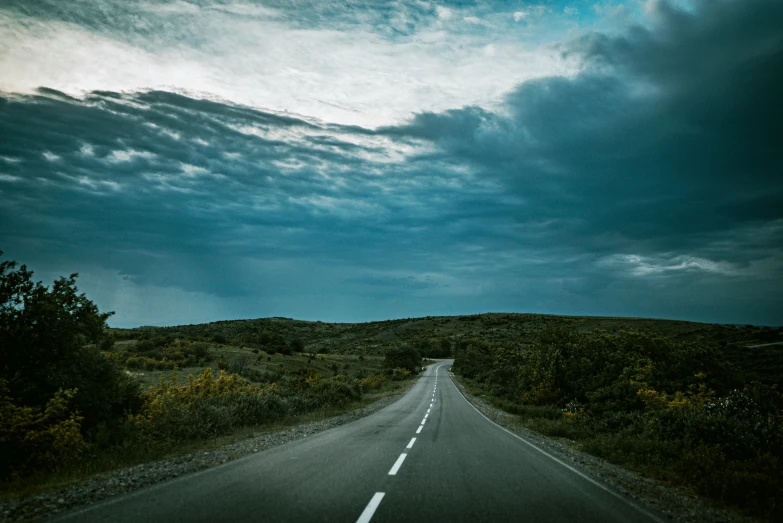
x,y
428,457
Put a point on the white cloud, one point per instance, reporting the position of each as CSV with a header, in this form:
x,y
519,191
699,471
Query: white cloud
x,y
50,156
639,265
355,76
444,13
192,170
530,12
128,155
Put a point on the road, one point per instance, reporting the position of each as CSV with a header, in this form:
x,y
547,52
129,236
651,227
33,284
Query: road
x,y
430,456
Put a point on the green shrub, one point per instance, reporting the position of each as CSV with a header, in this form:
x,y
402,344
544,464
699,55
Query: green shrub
x,y
672,408
372,382
222,363
404,357
38,439
50,340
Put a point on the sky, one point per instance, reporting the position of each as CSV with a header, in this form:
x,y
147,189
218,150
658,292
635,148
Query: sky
x,y
363,160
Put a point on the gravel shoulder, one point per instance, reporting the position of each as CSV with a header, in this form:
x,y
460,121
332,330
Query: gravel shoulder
x,y
675,504
122,481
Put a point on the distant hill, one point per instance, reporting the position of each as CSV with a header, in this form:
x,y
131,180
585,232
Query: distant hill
x,y
374,337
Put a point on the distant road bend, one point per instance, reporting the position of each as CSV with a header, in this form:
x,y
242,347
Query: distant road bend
x,y
430,456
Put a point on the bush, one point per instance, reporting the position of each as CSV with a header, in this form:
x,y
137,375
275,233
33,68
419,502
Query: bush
x,y
50,338
222,363
338,390
372,382
671,408
239,365
404,357
205,407
398,374
34,439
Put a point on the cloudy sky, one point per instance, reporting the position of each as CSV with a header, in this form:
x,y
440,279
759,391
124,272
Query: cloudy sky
x,y
369,159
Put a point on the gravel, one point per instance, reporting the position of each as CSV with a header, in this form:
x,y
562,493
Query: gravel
x,y
669,503
100,487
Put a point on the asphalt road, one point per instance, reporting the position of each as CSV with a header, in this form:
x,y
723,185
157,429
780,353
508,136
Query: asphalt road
x,y
459,467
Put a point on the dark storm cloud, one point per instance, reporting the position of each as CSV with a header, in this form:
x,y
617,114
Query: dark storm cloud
x,y
666,146
648,184
666,137
150,182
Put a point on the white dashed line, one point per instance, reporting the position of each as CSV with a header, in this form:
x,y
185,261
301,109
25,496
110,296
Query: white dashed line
x,y
427,415
410,445
418,431
428,411
397,464
369,510
424,421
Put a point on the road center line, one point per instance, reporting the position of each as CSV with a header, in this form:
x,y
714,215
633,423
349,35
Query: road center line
x,y
397,464
418,431
369,510
410,445
427,415
428,411
424,421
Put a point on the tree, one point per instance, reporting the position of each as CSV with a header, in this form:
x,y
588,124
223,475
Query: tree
x,y
49,339
405,357
445,348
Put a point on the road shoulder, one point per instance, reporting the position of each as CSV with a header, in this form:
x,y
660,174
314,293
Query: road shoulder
x,y
673,503
125,480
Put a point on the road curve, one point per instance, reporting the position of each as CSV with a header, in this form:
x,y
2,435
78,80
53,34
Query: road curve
x,y
460,467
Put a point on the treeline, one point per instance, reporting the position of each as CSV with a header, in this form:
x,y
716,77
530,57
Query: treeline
x,y
678,410
66,397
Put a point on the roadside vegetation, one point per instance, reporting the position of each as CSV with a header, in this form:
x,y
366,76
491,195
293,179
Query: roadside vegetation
x,y
687,412
688,403
74,400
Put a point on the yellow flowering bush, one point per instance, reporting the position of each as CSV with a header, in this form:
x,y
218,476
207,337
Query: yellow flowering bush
x,y
398,373
372,382
574,412
205,406
31,439
695,398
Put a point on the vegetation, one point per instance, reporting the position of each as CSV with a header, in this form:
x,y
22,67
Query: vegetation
x,y
689,403
678,410
404,357
72,390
